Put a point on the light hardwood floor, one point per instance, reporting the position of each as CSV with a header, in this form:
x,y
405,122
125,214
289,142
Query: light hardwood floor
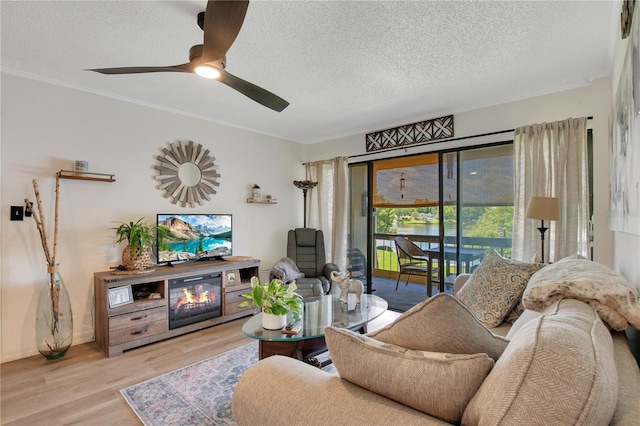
x,y
83,387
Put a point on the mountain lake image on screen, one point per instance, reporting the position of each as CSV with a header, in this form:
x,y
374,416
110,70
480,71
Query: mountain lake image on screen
x,y
183,237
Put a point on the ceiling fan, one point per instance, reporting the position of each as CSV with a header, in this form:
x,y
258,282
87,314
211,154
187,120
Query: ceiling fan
x,y
221,23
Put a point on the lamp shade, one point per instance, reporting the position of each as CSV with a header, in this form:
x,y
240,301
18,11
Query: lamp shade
x,y
543,208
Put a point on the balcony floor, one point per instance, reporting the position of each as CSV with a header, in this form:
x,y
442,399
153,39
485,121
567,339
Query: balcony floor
x,y
406,296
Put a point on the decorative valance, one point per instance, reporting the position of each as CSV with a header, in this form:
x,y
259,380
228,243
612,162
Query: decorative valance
x,y
409,134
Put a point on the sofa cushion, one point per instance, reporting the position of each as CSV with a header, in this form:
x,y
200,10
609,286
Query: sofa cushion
x,y
526,316
560,364
628,405
438,384
309,287
495,287
614,298
282,391
442,324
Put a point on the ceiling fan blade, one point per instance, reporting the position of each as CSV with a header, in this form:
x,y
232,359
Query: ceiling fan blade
x,y
139,70
254,92
222,23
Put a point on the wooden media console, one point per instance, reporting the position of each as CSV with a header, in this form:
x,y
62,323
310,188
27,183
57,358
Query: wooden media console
x,y
135,310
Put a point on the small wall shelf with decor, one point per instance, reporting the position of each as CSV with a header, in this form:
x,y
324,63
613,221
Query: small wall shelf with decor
x,y
262,201
70,174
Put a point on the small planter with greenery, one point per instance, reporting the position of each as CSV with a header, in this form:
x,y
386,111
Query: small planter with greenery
x,y
273,299
139,236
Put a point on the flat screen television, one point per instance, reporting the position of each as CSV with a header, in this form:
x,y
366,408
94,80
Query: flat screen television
x,y
183,237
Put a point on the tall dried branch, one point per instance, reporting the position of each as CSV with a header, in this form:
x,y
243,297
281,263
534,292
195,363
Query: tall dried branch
x,y
55,227
38,216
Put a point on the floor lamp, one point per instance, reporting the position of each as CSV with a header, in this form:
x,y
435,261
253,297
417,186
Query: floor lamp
x,y
543,208
305,185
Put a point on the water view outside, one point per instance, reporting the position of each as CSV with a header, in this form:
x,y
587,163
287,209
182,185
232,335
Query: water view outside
x,y
432,229
483,228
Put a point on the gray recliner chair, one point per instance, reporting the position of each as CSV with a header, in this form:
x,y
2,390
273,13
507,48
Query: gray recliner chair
x,y
305,246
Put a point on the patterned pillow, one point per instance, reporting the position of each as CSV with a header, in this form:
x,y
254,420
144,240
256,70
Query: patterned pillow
x,y
437,384
495,287
514,314
442,324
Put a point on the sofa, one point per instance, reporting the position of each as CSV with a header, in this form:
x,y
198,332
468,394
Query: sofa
x,y
563,360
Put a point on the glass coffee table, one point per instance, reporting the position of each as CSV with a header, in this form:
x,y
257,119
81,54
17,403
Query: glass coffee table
x,y
317,313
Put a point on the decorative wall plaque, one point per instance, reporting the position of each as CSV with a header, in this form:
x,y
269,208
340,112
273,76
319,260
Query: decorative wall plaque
x,y
421,132
186,173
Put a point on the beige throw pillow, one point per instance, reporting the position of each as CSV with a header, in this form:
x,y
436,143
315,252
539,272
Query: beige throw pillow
x,y
495,287
437,384
442,324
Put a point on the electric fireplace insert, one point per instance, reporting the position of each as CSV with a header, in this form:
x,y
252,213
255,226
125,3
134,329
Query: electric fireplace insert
x,y
194,299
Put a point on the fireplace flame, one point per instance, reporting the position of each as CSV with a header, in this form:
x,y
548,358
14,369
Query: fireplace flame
x,y
199,296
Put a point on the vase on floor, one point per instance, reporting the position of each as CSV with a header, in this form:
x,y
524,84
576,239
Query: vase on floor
x,y
273,322
54,320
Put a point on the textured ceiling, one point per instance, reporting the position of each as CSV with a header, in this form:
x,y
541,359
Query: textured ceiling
x,y
346,67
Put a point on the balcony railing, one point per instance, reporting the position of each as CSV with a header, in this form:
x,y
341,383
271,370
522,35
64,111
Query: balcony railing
x,y
386,260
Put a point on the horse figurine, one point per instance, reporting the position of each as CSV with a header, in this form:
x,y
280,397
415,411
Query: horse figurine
x,y
347,285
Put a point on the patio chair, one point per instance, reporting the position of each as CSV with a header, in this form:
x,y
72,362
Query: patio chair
x,y
357,262
413,261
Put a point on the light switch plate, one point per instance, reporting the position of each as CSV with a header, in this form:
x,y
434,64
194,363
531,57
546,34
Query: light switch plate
x,y
17,212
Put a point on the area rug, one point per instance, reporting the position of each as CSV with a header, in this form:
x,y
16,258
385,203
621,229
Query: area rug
x,y
199,394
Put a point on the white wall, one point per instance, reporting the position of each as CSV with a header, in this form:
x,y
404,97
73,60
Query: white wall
x,y
46,127
585,101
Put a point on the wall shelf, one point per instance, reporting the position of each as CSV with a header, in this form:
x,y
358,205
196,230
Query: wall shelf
x,y
264,201
101,177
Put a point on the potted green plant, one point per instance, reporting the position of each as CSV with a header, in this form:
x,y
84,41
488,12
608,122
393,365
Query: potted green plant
x,y
276,299
139,236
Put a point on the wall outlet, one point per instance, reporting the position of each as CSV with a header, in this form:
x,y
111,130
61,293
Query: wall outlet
x,y
17,212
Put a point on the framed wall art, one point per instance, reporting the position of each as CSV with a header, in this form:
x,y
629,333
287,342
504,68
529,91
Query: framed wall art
x,y
624,135
231,277
119,296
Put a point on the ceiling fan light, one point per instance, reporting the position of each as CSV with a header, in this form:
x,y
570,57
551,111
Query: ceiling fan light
x,y
207,71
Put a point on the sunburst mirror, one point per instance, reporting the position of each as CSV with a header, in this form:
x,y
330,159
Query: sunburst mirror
x,y
187,173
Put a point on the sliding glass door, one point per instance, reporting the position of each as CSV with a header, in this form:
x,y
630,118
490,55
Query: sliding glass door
x,y
406,203
455,205
486,198
358,245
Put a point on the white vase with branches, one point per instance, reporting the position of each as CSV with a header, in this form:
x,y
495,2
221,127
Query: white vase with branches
x,y
54,318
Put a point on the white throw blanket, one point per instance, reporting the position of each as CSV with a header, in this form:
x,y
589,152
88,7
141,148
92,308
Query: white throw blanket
x,y
607,292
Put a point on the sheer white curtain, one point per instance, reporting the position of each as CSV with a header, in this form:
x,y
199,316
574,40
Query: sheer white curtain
x,y
328,205
550,160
